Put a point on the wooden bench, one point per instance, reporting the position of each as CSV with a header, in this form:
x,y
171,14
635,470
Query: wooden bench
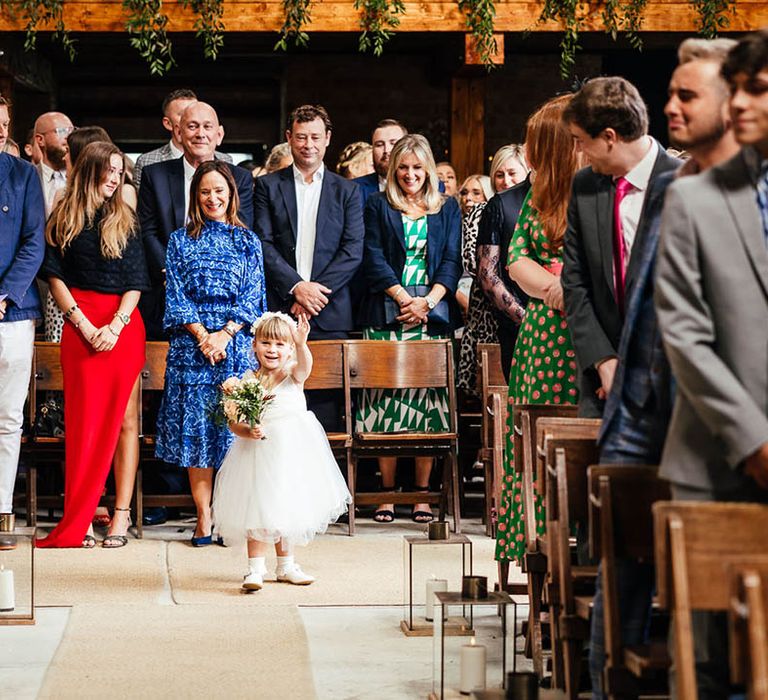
x,y
621,528
698,546
748,633
418,364
493,404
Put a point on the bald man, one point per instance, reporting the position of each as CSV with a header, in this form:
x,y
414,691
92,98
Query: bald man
x,y
50,136
164,200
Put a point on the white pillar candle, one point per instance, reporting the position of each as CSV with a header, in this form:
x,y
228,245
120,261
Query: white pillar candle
x,y
472,668
7,600
434,585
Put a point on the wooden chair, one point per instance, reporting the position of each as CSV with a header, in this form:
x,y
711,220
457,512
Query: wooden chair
x,y
567,508
329,371
42,450
493,401
419,364
698,545
621,528
748,631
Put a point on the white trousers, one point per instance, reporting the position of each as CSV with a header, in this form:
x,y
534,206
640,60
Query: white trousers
x,y
17,343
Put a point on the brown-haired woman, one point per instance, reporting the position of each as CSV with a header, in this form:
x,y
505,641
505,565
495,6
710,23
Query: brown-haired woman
x,y
214,292
96,271
544,363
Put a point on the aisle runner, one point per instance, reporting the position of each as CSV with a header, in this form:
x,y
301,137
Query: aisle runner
x,y
146,651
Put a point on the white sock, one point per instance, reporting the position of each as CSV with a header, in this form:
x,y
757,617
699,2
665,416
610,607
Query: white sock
x,y
284,564
257,565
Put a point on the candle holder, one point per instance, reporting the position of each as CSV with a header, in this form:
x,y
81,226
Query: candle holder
x,y
461,666
17,577
437,565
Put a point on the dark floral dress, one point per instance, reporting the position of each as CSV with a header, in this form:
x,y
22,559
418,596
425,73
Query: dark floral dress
x,y
543,371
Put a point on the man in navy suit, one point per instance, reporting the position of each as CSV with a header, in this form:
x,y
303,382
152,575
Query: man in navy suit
x,y
310,222
164,201
386,134
311,227
639,405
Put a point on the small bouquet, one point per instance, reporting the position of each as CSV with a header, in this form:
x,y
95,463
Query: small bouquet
x,y
244,400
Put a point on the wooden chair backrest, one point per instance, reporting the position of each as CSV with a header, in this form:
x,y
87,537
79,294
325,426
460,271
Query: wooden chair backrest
x,y
697,546
46,371
535,412
748,631
560,427
330,371
570,473
620,500
153,372
489,372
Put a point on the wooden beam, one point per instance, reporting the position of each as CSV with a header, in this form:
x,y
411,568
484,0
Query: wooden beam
x,y
340,16
467,125
473,58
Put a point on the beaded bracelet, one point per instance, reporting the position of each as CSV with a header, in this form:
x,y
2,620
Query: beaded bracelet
x,y
71,311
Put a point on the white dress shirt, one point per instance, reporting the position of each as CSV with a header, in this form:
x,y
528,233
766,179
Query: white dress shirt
x,y
307,204
53,181
175,152
382,183
631,207
189,173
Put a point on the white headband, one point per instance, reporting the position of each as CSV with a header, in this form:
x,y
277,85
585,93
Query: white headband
x,y
272,314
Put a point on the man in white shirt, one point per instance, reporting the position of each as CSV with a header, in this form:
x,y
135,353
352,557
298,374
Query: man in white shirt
x,y
609,123
174,105
51,132
386,134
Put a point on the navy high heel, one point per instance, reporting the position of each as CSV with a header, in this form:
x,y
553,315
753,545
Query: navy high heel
x,y
202,541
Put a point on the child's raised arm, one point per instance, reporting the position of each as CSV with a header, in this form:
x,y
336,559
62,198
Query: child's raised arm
x,y
303,366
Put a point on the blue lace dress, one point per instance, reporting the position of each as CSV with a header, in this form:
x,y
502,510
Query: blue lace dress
x,y
210,280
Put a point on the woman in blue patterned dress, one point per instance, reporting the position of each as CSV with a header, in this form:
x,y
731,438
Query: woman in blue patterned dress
x,y
214,292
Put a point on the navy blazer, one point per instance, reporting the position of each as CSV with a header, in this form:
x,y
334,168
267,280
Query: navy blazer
x,y
22,241
643,384
338,243
368,185
161,207
384,257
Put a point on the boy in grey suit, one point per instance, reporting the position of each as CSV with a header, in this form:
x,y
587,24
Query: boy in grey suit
x,y
712,307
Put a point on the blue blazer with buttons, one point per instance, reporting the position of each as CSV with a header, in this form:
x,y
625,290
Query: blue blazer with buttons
x,y
338,243
22,240
384,257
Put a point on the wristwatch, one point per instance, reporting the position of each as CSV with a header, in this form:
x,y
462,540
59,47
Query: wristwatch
x,y
230,328
124,318
430,302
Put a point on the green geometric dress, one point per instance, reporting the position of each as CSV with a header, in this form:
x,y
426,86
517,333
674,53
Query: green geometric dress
x,y
543,371
399,410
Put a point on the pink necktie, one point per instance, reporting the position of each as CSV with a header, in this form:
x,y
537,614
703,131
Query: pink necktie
x,y
619,247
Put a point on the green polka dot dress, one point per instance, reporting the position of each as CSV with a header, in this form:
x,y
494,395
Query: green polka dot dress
x,y
400,410
543,371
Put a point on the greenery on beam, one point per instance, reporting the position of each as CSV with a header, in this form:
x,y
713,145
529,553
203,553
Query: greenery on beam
x,y
480,16
36,12
146,23
208,24
297,17
378,20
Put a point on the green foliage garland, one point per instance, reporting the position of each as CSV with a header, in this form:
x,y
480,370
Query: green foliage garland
x,y
566,12
147,25
480,17
713,16
208,24
378,21
297,16
37,12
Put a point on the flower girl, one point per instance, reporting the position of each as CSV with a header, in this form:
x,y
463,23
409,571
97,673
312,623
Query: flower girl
x,y
279,483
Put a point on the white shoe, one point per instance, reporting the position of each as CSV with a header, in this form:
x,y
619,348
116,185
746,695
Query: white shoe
x,y
295,576
253,581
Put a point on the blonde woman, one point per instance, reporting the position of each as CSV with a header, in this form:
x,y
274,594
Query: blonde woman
x,y
96,270
509,166
411,264
356,160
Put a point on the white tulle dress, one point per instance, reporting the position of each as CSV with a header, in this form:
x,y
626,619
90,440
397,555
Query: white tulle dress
x,y
287,486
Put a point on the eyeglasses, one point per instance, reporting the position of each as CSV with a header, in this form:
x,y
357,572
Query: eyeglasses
x,y
60,131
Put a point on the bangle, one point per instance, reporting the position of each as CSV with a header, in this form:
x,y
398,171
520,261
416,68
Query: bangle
x,y
71,311
398,293
117,335
230,329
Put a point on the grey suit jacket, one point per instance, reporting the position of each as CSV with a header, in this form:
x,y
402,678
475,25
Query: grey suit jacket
x,y
594,320
160,155
712,306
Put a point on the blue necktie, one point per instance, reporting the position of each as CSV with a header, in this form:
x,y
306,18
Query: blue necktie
x,y
762,198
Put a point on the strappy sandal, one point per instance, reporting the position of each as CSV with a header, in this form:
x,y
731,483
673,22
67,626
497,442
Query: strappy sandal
x,y
116,541
89,542
422,516
384,515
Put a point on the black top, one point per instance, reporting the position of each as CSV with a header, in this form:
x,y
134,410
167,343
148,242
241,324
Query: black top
x,y
83,266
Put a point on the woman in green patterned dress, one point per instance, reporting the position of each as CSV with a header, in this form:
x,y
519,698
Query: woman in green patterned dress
x,y
544,363
412,263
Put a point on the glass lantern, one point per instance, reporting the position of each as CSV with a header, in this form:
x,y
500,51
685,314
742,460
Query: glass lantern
x,y
17,576
462,666
430,566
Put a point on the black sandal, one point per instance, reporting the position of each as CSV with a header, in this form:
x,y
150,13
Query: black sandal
x,y
384,515
422,516
117,541
89,542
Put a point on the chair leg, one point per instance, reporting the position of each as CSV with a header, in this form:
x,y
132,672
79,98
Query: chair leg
x,y
572,666
455,492
138,497
535,588
351,479
503,567
488,489
445,484
32,496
